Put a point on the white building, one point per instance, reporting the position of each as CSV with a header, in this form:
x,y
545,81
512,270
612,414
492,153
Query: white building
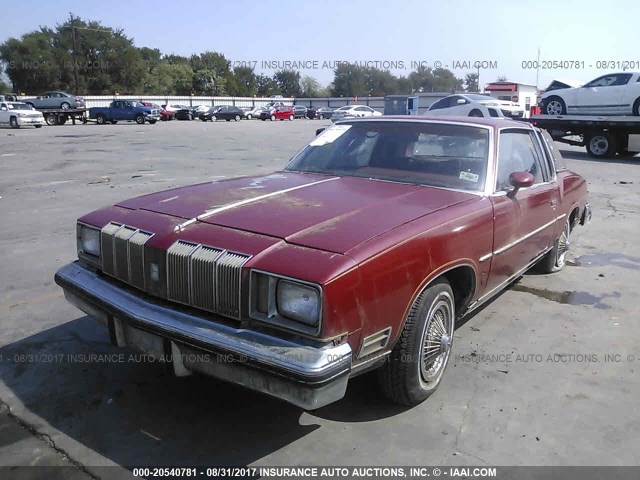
x,y
522,93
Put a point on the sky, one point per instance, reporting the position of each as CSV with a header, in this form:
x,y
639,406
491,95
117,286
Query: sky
x,y
502,37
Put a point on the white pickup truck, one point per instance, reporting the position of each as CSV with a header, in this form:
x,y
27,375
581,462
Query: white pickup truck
x,y
18,114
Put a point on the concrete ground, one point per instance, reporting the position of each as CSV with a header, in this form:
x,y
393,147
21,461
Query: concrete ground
x,y
546,374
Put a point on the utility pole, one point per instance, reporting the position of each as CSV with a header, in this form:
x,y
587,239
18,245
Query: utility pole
x,y
538,69
72,21
75,58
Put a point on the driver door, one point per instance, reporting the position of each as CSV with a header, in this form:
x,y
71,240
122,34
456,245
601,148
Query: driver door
x,y
603,95
524,222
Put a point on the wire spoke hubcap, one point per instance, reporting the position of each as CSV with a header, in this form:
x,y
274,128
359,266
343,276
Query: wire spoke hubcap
x,y
564,244
437,338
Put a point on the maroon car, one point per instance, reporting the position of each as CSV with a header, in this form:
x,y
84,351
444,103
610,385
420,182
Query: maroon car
x,y
362,253
164,113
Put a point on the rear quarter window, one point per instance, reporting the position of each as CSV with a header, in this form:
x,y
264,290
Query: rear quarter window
x,y
558,159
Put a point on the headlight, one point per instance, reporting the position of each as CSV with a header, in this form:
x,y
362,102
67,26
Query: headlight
x,y
298,302
88,242
288,303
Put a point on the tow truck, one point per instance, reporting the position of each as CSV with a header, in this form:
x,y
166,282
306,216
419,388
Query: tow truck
x,y
603,136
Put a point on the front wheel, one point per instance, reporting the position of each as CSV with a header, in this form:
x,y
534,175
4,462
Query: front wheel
x,y
38,126
13,121
273,117
237,118
291,117
416,364
113,122
152,121
554,106
140,119
556,258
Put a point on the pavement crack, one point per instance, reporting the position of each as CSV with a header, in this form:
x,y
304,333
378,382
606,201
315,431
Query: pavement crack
x,y
5,409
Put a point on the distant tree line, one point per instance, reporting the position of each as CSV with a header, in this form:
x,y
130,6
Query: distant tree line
x,y
86,57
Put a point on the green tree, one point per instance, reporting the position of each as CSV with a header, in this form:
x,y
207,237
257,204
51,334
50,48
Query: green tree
x,y
266,86
288,82
380,82
349,80
471,82
245,82
310,87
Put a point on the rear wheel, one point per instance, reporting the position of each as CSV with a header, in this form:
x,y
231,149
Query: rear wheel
x,y
214,118
152,121
600,144
636,108
291,117
273,117
38,126
113,122
100,119
65,106
416,364
13,121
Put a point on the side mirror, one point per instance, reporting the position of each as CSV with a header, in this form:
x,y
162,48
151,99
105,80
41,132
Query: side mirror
x,y
319,131
520,180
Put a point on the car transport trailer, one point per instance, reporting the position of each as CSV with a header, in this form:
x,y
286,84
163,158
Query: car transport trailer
x,y
60,116
602,136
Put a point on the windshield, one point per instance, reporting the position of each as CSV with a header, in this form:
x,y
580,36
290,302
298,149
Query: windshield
x,y
434,154
18,106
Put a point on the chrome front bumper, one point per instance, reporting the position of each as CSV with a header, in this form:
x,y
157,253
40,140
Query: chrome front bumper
x,y
306,376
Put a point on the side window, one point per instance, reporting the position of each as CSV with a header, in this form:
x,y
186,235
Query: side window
x,y
440,104
493,112
549,162
453,101
516,153
622,79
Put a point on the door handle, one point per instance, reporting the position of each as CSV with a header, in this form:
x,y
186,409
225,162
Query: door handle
x,y
553,203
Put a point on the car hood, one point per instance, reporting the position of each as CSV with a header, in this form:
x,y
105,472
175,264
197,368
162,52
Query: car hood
x,y
329,213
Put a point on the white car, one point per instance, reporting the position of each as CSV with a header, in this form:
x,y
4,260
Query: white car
x,y
253,112
351,111
18,114
475,105
611,94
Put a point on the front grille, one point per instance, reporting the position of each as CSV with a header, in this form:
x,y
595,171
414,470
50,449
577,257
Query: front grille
x,y
123,253
205,277
200,276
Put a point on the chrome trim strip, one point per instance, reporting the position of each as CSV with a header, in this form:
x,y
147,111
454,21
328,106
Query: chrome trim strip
x,y
485,257
209,213
489,294
522,239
